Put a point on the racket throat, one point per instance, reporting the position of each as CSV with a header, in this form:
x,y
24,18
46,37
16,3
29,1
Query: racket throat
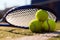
x,y
1,20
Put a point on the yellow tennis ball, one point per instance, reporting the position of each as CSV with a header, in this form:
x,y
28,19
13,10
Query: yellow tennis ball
x,y
35,26
42,15
49,25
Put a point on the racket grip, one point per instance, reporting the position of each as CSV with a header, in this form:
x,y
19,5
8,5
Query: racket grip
x,y
4,24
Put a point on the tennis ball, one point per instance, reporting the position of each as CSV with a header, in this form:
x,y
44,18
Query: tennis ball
x,y
42,15
49,25
35,26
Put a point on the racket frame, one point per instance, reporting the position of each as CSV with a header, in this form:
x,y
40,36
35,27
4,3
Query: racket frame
x,y
26,7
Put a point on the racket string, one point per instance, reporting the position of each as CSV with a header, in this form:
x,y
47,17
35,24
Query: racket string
x,y
21,17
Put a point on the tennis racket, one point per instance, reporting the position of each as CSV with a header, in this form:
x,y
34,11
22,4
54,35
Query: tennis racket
x,y
21,16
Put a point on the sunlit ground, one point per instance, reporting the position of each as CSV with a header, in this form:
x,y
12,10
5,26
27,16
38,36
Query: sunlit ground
x,y
58,25
12,32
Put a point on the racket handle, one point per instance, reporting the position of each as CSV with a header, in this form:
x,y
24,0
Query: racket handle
x,y
5,25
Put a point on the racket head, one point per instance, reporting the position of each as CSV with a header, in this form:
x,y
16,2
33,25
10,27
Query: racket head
x,y
27,12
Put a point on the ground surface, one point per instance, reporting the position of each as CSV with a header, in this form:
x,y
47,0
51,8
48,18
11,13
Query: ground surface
x,y
44,36
12,33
